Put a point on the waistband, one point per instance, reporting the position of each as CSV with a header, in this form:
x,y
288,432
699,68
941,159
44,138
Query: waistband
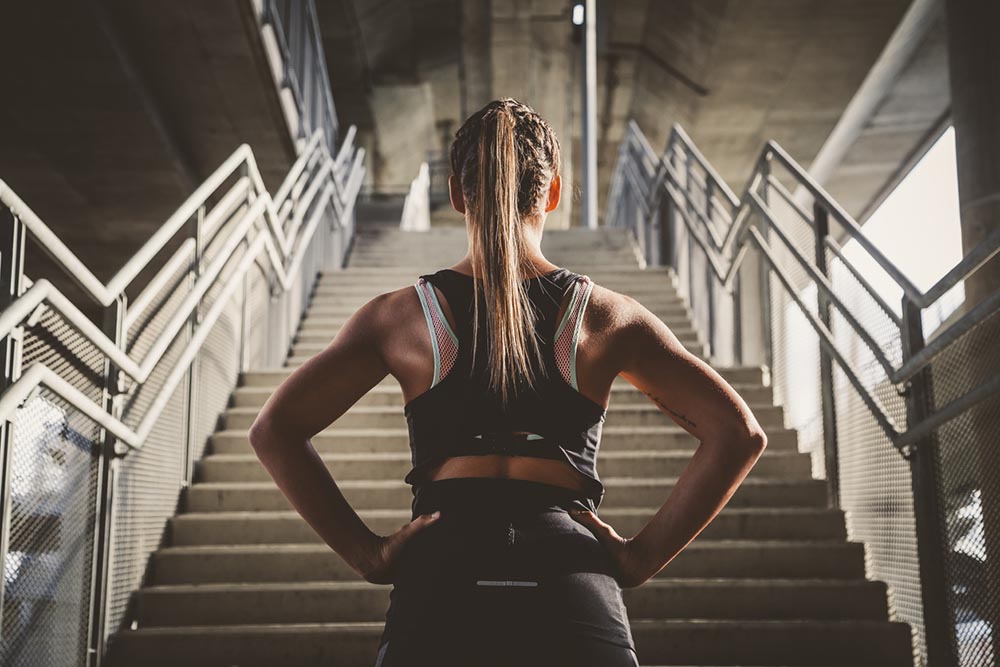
x,y
493,495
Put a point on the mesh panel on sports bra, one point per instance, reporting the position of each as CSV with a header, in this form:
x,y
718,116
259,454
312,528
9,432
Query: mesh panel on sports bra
x,y
569,331
445,341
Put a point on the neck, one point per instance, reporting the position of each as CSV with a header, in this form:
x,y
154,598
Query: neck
x,y
533,256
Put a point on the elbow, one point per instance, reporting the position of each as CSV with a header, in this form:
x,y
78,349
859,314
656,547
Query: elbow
x,y
270,432
755,441
261,433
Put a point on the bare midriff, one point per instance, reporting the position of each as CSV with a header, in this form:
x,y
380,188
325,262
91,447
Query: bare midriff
x,y
549,471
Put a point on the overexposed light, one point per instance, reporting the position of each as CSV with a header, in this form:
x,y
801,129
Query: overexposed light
x,y
918,227
578,14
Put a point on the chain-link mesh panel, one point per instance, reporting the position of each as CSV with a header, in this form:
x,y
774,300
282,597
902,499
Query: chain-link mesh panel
x,y
261,314
216,369
795,347
874,480
54,470
148,480
146,494
968,478
876,492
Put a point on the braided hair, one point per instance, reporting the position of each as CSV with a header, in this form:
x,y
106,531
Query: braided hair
x,y
505,156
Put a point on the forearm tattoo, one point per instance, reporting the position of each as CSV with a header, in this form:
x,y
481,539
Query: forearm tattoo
x,y
676,414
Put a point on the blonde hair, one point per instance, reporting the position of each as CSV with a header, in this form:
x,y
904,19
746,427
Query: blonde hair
x,y
505,156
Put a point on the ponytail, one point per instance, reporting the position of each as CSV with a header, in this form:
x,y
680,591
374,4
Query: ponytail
x,y
505,156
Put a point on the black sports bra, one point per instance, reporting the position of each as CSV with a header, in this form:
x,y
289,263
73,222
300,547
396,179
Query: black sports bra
x,y
459,416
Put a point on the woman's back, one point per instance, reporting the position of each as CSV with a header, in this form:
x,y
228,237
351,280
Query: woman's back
x,y
458,415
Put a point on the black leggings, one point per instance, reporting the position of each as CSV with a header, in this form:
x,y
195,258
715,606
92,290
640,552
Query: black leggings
x,y
504,577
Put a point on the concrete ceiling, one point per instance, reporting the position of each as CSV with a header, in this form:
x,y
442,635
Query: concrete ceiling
x,y
734,73
113,114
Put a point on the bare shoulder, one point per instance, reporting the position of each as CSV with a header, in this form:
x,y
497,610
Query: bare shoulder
x,y
624,325
381,315
607,321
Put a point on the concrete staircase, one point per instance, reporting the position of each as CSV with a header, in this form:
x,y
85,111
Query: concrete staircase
x,y
772,581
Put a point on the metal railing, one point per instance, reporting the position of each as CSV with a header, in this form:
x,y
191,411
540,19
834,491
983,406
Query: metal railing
x,y
120,411
417,205
768,281
290,33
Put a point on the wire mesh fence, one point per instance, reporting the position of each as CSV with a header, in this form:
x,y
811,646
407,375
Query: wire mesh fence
x,y
53,475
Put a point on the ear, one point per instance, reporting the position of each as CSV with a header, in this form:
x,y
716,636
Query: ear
x,y
455,194
555,190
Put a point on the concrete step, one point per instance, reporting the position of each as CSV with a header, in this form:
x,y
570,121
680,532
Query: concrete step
x,y
835,643
386,255
384,409
625,270
345,601
394,465
625,274
271,377
284,527
294,361
613,438
643,282
787,559
626,407
395,494
324,331
678,318
306,350
446,258
324,303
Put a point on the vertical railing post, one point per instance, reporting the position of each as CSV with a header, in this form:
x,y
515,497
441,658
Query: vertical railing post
x,y
821,227
246,315
655,229
737,320
109,453
12,232
191,386
689,209
931,542
640,226
665,211
709,275
765,271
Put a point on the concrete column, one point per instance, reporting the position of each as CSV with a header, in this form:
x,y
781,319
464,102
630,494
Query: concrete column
x,y
533,61
476,71
974,69
404,132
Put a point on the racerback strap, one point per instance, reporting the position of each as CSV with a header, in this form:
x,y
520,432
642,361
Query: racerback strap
x,y
445,342
568,332
443,339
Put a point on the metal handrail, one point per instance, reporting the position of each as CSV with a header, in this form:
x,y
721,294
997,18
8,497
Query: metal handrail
x,y
300,56
725,255
283,251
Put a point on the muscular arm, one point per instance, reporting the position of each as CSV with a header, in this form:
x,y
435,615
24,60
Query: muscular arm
x,y
310,399
698,399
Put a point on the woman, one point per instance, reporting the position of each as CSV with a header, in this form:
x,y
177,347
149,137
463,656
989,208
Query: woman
x,y
506,362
